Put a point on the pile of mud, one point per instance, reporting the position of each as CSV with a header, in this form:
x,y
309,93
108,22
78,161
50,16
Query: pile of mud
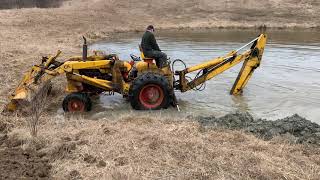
x,y
299,129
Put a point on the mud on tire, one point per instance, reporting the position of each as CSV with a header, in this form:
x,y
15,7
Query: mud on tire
x,y
149,91
77,102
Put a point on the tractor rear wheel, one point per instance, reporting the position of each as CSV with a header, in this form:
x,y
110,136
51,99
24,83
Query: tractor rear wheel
x,y
77,102
149,91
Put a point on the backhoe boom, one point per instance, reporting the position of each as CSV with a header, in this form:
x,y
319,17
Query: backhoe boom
x,y
210,69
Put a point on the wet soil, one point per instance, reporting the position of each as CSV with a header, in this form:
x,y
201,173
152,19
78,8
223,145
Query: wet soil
x,y
32,161
19,164
299,129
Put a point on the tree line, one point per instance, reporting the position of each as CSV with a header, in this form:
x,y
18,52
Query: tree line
x,y
12,4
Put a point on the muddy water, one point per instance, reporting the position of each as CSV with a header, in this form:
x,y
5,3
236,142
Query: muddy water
x,y
287,82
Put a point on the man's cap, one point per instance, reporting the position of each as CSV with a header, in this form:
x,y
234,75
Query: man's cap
x,y
150,27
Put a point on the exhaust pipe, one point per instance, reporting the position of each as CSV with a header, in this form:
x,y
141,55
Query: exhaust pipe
x,y
84,49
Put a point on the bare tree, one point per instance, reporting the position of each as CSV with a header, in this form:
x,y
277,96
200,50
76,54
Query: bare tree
x,y
37,106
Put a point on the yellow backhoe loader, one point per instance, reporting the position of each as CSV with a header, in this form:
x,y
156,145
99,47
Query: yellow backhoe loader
x,y
144,84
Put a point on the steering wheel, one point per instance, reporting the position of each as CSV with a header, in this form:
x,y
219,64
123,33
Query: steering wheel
x,y
134,57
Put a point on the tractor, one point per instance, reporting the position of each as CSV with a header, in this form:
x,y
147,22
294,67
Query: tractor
x,y
146,86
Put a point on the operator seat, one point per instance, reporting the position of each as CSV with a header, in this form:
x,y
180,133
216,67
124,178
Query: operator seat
x,y
144,58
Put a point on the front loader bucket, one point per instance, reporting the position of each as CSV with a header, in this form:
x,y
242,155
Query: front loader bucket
x,y
33,84
27,90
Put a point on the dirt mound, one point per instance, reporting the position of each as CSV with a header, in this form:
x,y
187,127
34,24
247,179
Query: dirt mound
x,y
301,129
19,164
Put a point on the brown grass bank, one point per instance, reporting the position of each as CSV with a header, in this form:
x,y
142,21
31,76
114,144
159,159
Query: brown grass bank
x,y
155,147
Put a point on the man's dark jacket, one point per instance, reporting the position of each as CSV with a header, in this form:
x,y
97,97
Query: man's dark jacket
x,y
149,43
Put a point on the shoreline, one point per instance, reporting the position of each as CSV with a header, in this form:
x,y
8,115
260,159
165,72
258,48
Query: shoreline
x,y
119,34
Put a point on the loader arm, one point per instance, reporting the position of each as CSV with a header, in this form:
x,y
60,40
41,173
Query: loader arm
x,y
38,75
210,69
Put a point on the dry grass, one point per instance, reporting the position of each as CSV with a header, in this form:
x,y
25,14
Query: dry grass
x,y
154,146
160,148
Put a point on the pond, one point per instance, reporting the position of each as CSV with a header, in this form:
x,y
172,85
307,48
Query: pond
x,y
287,82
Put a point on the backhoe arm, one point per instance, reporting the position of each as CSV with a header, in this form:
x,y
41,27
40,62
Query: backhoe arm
x,y
210,69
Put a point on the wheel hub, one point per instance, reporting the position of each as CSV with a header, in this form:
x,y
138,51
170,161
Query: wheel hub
x,y
151,96
76,106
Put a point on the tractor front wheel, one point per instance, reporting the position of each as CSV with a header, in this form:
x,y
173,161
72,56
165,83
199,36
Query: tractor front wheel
x,y
149,91
77,102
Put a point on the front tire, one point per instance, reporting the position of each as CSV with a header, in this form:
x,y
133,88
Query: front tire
x,y
149,91
77,102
